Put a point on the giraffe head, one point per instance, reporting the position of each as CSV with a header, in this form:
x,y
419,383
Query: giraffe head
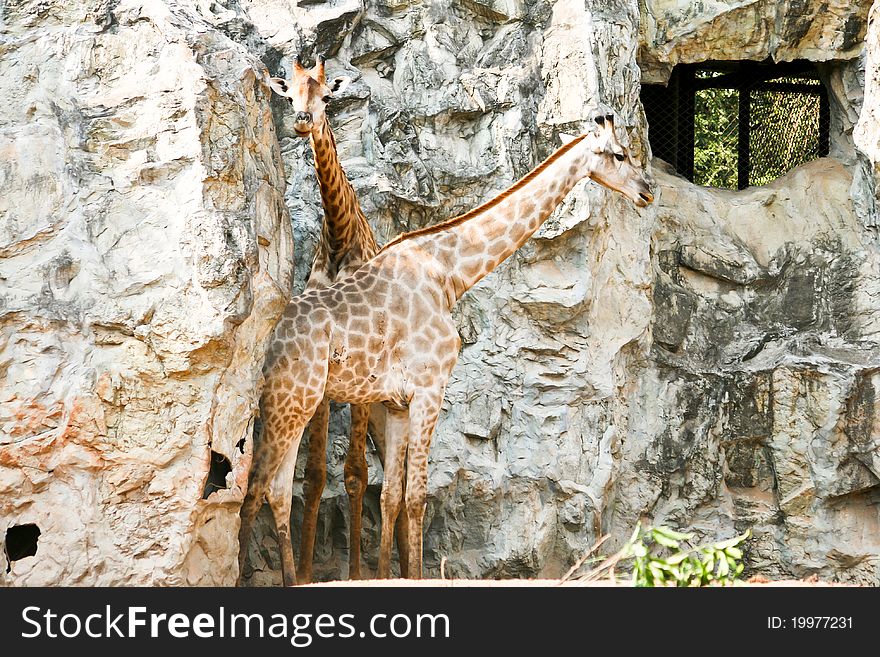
x,y
308,91
610,164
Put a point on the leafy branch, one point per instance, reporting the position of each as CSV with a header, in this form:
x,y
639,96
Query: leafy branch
x,y
716,564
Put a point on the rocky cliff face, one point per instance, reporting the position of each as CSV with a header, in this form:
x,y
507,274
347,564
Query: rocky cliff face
x,y
710,363
685,32
145,254
764,343
706,363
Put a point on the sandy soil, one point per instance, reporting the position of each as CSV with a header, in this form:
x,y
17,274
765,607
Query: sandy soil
x,y
479,583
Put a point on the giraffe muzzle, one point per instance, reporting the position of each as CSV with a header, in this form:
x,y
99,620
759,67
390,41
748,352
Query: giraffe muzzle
x,y
302,123
645,195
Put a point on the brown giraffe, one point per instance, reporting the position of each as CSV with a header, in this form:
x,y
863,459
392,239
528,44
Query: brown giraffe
x,y
346,242
386,332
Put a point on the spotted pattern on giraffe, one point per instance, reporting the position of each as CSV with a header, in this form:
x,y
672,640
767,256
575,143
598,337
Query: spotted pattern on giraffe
x,y
427,270
346,242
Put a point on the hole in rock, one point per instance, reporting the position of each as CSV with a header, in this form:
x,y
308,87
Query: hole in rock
x,y
735,124
240,445
220,467
21,542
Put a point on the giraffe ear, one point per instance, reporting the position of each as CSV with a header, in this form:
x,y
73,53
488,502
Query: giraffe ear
x,y
279,86
318,70
566,138
338,84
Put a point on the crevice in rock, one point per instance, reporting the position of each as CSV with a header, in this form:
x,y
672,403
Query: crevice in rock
x,y
220,467
21,542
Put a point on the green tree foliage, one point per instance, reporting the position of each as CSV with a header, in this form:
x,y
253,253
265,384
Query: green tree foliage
x,y
715,137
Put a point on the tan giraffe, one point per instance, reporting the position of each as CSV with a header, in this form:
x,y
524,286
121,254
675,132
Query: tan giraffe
x,y
386,332
346,242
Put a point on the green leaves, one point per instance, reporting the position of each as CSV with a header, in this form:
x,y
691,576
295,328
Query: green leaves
x,y
716,132
711,565
732,542
668,538
665,531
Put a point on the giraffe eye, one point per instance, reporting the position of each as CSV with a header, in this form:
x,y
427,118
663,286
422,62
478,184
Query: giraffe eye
x,y
620,157
327,98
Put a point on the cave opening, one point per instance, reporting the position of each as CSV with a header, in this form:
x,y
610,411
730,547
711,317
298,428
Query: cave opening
x,y
736,124
21,542
220,467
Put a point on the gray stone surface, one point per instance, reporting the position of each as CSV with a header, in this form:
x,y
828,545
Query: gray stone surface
x,y
145,255
684,31
766,380
668,365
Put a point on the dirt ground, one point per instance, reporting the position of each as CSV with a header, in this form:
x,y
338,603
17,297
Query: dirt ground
x,y
479,583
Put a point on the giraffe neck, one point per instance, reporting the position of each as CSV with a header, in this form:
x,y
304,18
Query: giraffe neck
x,y
471,248
346,238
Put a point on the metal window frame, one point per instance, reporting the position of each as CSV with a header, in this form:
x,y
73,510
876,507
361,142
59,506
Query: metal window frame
x,y
743,77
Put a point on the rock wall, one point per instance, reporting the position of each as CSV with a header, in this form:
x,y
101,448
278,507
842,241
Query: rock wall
x,y
711,362
450,106
685,32
764,367
145,255
708,363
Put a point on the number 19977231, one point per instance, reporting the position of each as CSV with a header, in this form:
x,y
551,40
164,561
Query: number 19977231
x,y
810,623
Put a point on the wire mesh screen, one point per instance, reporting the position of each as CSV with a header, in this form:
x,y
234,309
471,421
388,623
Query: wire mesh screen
x,y
785,129
735,124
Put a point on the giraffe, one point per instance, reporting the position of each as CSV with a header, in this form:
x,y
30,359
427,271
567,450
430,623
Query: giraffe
x,y
386,334
346,242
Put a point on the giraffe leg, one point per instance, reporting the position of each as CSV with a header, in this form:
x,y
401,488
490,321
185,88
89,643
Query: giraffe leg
x,y
396,433
280,497
377,432
356,484
270,457
401,533
249,509
423,418
313,486
291,396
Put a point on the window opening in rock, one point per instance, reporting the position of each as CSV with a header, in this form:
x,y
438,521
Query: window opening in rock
x,y
735,124
21,542
220,467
